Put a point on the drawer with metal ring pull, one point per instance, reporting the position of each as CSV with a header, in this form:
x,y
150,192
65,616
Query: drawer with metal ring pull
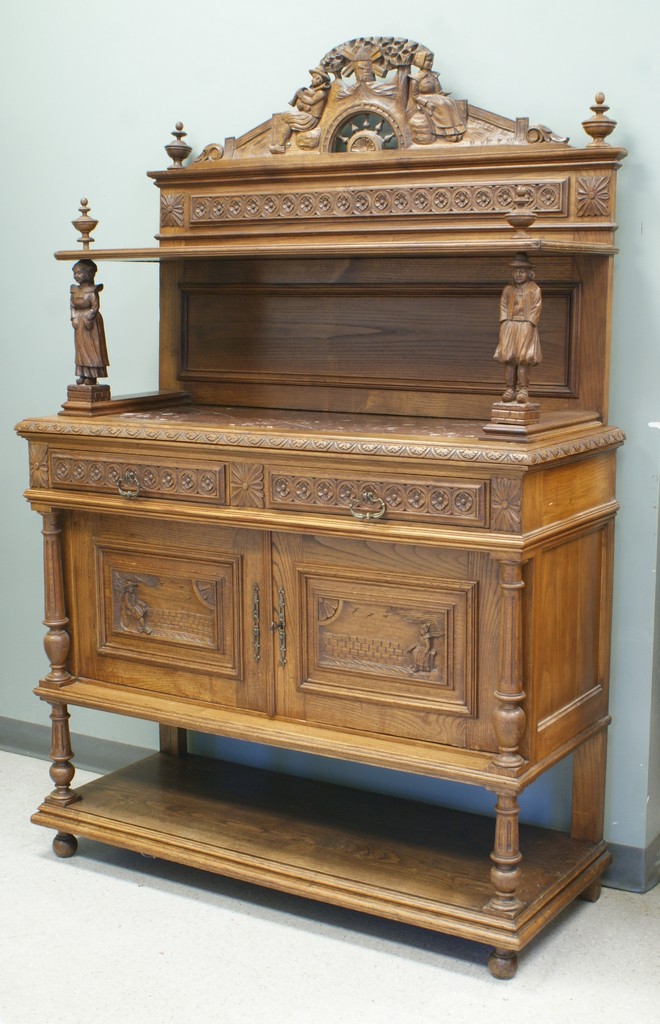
x,y
444,501
113,473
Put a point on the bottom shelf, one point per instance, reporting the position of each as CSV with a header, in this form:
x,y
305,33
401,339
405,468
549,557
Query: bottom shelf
x,y
405,861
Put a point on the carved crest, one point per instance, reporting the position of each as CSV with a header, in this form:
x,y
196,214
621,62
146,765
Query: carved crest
x,y
376,93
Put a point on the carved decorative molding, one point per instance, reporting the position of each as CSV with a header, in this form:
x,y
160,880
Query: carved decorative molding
x,y
105,474
478,198
443,501
593,196
171,210
247,485
350,446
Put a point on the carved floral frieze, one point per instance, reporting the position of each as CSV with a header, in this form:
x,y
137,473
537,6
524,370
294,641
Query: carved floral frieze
x,y
477,198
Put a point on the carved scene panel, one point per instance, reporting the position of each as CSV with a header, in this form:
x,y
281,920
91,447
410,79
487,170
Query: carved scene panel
x,y
389,642
162,609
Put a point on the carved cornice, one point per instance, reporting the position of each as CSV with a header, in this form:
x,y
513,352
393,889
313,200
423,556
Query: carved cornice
x,y
437,451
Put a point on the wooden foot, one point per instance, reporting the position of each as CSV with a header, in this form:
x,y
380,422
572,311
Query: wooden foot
x,y
503,964
64,844
592,893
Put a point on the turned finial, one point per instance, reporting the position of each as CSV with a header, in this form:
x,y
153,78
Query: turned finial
x,y
84,224
599,126
522,216
178,150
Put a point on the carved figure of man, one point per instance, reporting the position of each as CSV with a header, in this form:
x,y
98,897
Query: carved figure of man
x,y
441,112
519,346
91,352
310,103
133,614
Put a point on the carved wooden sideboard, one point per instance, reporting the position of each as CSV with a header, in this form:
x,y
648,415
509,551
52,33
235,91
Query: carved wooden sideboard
x,y
360,518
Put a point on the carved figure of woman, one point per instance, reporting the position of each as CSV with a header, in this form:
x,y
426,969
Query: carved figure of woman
x,y
423,654
91,352
519,346
310,104
430,99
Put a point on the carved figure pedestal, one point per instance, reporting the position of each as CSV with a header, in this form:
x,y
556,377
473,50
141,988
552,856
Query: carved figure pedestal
x,y
86,398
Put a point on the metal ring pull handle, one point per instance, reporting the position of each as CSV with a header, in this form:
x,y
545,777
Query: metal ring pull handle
x,y
129,485
368,498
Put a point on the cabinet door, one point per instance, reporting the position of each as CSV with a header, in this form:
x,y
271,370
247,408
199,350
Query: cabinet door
x,y
169,607
378,637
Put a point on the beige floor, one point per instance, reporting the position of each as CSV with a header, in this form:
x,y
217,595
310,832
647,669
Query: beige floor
x,y
110,937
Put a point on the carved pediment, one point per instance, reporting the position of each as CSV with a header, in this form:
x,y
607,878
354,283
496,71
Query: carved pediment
x,y
376,93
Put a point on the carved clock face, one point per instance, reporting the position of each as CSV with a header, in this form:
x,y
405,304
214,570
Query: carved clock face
x,y
364,132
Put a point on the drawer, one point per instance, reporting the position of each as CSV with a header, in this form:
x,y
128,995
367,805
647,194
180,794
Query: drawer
x,y
113,473
452,502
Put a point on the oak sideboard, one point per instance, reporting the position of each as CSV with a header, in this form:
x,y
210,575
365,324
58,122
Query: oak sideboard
x,y
367,515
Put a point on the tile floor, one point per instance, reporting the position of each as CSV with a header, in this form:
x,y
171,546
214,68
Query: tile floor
x,y
110,937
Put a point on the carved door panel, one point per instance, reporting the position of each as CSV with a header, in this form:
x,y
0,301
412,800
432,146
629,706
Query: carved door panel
x,y
378,637
170,608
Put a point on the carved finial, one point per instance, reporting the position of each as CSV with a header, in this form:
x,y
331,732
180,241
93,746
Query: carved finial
x,y
178,150
523,216
599,126
84,224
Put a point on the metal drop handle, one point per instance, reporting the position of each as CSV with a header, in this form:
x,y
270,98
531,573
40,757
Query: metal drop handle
x,y
129,485
368,498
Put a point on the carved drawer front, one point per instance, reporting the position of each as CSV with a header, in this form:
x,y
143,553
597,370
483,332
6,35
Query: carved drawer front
x,y
138,477
463,503
169,611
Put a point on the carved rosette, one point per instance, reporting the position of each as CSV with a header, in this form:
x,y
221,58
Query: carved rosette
x,y
506,504
38,464
593,196
171,210
247,485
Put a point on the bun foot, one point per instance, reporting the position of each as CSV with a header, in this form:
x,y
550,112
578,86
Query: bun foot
x,y
65,845
503,963
592,893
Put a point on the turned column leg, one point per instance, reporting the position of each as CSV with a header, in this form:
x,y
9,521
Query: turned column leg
x,y
588,807
62,772
509,726
509,716
56,641
506,856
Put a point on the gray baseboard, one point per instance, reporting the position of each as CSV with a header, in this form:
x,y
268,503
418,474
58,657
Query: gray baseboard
x,y
636,870
91,754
